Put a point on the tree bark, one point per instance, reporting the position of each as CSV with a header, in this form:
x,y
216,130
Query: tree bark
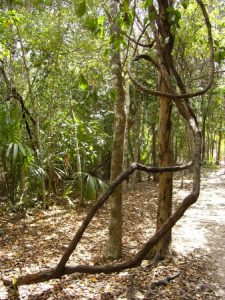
x,y
218,152
154,150
114,245
137,143
166,179
164,50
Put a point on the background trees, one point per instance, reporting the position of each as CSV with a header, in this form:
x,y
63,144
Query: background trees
x,y
57,97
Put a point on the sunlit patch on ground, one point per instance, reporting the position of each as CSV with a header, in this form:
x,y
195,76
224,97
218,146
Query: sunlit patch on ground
x,y
203,226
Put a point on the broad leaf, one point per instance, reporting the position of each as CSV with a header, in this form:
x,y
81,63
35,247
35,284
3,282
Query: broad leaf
x,y
103,186
90,188
15,151
22,150
9,149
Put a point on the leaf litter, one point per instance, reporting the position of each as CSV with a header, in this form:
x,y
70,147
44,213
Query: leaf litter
x,y
36,239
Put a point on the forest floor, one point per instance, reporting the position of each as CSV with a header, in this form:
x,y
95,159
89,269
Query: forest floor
x,y
34,240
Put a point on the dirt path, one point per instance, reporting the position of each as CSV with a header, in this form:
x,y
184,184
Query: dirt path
x,y
203,227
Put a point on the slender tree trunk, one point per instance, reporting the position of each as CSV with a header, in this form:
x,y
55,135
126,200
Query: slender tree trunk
x,y
114,246
5,172
36,125
213,145
137,132
40,159
205,111
126,138
154,150
218,153
78,158
189,141
203,138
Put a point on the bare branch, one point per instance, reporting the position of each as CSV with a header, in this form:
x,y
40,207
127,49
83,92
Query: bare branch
x,y
149,45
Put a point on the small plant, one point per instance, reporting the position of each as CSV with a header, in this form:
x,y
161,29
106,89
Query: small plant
x,y
92,186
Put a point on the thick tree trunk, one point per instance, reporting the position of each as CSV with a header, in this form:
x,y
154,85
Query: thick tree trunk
x,y
164,46
165,179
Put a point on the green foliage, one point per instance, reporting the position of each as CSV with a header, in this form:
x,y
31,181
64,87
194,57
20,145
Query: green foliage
x,y
185,3
95,25
174,17
66,46
147,3
219,52
82,8
8,19
92,186
83,84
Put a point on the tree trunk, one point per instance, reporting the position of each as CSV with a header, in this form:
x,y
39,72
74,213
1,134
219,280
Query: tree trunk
x,y
203,138
42,192
165,180
114,246
137,131
164,46
218,153
154,150
126,135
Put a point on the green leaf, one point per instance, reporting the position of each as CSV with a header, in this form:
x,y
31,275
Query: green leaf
x,y
22,150
185,3
101,20
152,16
174,16
147,3
83,83
82,8
8,150
103,186
15,151
91,23
112,93
90,188
219,55
126,5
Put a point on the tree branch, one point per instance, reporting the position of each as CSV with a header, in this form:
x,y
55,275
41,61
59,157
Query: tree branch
x,y
149,45
146,89
146,57
61,269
